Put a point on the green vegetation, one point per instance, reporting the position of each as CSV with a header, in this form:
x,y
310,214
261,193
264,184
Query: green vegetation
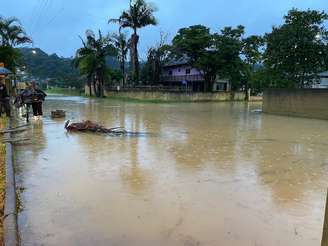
x,y
157,56
12,34
41,65
213,54
297,50
120,42
65,91
140,14
91,60
290,56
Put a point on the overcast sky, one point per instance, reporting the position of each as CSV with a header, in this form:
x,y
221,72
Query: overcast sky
x,y
55,25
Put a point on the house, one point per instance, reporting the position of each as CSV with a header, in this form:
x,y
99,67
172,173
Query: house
x,y
322,83
180,73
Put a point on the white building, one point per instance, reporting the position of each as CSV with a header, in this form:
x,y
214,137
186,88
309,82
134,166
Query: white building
x,y
323,81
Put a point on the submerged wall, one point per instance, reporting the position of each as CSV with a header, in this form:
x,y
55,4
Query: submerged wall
x,y
175,96
312,103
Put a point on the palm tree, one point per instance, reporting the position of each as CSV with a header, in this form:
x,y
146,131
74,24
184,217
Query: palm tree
x,y
91,60
139,15
12,32
121,44
11,35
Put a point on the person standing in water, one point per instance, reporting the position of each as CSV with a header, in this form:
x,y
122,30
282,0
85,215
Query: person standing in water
x,y
4,99
38,96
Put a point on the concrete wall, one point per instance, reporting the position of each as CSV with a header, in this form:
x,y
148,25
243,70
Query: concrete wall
x,y
175,96
312,103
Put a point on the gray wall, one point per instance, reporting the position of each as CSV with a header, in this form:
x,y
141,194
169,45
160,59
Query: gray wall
x,y
174,96
178,96
312,103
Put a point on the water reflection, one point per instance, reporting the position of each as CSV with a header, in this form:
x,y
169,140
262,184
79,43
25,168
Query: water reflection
x,y
208,174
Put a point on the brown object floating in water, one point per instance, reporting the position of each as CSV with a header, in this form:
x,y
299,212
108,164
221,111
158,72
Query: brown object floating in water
x,y
58,114
89,126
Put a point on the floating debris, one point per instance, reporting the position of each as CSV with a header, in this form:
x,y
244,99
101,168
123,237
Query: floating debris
x,y
89,126
58,114
92,127
257,111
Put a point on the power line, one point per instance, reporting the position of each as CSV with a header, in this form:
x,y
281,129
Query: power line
x,y
55,16
43,7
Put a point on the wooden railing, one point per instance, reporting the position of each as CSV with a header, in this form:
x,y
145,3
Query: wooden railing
x,y
150,88
180,78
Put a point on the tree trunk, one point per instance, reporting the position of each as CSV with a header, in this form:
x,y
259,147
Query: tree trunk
x,y
246,91
209,81
102,89
157,69
89,84
100,80
134,56
123,70
95,86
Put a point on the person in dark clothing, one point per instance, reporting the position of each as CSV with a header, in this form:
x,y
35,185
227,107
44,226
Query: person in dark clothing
x,y
38,96
4,100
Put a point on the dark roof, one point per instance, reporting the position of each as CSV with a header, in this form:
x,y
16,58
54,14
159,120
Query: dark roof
x,y
177,62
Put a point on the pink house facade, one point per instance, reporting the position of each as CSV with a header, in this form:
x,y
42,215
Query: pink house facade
x,y
179,73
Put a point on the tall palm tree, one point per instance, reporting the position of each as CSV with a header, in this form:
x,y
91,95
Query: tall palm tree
x,y
12,32
91,60
139,15
121,44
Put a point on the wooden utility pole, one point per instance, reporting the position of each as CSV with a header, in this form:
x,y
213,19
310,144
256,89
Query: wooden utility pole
x,y
325,227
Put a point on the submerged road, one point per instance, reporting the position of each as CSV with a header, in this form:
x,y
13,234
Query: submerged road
x,y
208,174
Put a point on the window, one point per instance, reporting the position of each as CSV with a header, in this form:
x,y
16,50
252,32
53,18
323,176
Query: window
x,y
221,86
179,70
170,72
188,71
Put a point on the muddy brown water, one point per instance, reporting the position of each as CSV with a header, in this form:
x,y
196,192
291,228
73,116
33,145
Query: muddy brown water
x,y
216,174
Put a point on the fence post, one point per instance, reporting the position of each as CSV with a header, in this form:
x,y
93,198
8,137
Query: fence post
x,y
324,241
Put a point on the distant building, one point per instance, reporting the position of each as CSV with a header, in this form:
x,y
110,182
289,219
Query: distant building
x,y
322,83
180,73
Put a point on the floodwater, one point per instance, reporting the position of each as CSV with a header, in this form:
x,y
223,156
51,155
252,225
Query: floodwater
x,y
218,174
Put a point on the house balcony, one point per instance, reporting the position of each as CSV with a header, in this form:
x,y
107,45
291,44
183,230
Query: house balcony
x,y
180,78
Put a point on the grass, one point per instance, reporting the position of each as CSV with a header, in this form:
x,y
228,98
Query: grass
x,y
65,91
134,100
3,123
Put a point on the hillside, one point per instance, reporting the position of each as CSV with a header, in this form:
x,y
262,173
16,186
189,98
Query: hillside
x,y
58,69
41,65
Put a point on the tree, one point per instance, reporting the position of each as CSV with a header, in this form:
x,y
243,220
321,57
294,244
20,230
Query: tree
x,y
229,45
252,52
297,50
10,57
12,32
196,43
139,15
121,44
156,57
91,60
213,54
